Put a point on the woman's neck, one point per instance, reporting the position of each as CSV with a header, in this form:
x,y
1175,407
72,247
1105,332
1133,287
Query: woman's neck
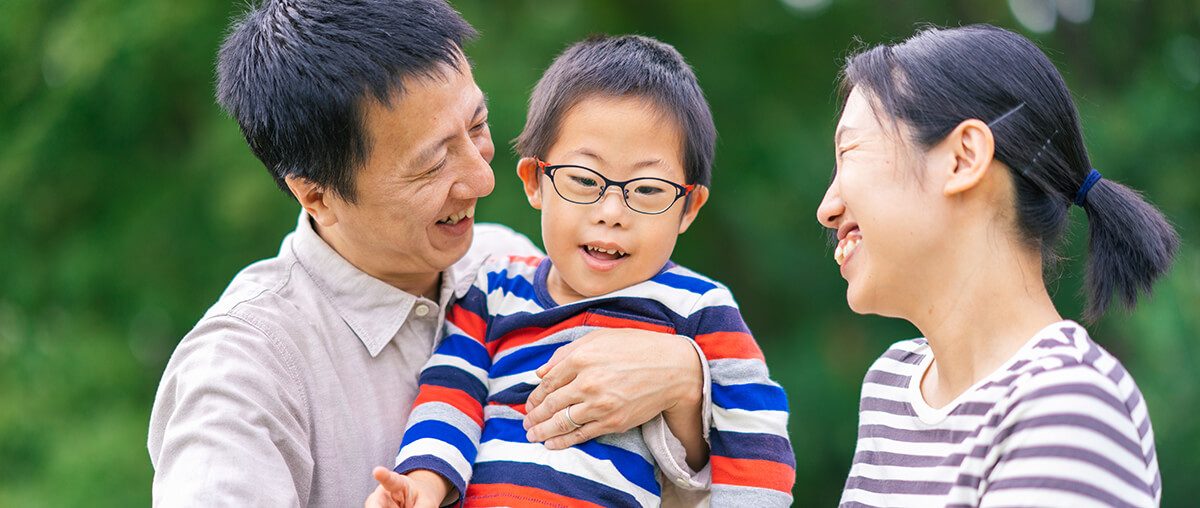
x,y
988,306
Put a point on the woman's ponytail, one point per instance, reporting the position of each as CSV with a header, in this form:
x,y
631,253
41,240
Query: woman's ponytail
x,y
1130,245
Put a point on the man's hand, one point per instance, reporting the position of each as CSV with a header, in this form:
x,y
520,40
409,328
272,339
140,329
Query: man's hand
x,y
613,380
418,489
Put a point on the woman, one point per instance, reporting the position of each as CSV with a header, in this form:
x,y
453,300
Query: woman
x,y
959,154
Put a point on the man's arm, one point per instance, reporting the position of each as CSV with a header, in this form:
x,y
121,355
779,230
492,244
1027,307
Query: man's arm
x,y
621,378
228,425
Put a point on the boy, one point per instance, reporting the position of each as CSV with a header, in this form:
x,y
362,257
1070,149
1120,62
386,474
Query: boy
x,y
610,112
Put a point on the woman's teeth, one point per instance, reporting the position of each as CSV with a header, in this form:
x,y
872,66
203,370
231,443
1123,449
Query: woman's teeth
x,y
613,252
844,249
453,219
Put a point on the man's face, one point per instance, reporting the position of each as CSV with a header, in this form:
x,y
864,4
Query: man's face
x,y
427,164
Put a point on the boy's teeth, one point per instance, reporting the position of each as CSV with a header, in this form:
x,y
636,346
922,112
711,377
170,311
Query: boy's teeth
x,y
606,251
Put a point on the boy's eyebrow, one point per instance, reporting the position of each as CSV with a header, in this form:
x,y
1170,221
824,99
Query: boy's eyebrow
x,y
586,152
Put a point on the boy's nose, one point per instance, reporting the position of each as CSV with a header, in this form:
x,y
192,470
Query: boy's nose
x,y
611,209
832,207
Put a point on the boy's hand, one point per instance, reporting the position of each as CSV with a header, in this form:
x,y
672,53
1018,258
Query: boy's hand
x,y
614,380
400,491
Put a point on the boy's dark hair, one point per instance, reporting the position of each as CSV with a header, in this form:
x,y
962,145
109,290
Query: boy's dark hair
x,y
296,73
940,77
628,65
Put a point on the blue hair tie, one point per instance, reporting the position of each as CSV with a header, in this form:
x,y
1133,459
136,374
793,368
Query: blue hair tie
x,y
1081,196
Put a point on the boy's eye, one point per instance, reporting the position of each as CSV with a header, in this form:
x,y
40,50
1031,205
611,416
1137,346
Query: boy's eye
x,y
647,190
583,180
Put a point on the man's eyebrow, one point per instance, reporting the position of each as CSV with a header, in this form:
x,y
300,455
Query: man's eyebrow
x,y
482,107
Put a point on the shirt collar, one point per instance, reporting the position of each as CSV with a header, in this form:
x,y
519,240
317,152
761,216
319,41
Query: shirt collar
x,y
374,309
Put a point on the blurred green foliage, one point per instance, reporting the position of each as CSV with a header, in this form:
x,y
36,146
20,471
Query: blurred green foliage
x,y
129,200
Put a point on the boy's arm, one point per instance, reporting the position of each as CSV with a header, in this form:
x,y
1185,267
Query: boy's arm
x,y
444,427
752,459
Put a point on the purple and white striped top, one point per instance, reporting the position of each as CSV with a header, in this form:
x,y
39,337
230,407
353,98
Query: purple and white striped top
x,y
1060,424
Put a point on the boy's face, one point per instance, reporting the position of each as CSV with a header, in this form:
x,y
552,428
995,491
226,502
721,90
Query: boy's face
x,y
621,139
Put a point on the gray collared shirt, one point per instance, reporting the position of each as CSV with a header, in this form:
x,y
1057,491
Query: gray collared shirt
x,y
299,380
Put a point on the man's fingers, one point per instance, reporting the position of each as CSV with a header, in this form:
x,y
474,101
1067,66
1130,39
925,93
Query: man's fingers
x,y
554,403
558,355
553,380
588,431
559,424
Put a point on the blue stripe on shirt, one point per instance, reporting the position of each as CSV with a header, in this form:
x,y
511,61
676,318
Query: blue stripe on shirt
x,y
751,397
444,432
631,465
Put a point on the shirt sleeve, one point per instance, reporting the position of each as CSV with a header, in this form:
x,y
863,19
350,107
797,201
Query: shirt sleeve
x,y
443,431
228,425
1068,440
671,456
752,460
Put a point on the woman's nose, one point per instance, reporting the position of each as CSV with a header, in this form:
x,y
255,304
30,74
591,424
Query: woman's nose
x,y
832,207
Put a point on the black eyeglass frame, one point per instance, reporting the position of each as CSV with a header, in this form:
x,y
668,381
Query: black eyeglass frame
x,y
680,190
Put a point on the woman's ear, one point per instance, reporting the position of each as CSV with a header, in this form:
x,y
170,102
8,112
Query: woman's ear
x,y
695,201
531,177
973,148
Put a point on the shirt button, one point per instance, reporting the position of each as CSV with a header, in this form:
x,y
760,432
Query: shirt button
x,y
422,310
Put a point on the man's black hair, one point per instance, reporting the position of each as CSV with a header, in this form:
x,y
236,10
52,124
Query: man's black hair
x,y
296,74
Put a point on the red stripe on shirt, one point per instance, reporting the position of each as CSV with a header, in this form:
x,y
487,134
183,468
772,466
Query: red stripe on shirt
x,y
457,398
764,474
471,323
726,345
507,494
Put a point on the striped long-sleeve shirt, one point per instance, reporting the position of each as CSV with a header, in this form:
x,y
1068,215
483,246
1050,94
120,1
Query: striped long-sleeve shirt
x,y
466,421
1060,424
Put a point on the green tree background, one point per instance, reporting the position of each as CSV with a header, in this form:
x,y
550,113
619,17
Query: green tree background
x,y
128,201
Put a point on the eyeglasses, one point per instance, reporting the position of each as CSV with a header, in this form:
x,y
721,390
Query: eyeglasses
x,y
584,186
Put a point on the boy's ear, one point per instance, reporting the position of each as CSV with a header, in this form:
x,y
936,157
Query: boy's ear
x,y
315,199
972,148
531,177
695,201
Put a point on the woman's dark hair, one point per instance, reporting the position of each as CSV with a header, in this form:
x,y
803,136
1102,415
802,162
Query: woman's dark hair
x,y
940,77
622,66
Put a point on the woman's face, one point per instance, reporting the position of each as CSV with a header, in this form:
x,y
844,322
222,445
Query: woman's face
x,y
888,219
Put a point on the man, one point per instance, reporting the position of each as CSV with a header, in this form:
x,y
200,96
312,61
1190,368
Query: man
x,y
367,113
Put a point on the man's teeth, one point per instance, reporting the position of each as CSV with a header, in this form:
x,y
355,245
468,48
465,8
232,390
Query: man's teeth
x,y
844,249
453,219
606,251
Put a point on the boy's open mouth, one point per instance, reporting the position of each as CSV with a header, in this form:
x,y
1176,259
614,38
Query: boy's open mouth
x,y
605,252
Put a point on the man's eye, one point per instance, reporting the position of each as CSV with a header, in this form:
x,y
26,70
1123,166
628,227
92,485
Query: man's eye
x,y
441,164
479,126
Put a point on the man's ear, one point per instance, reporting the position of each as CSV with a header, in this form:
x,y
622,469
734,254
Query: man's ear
x,y
973,148
314,198
695,201
531,178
